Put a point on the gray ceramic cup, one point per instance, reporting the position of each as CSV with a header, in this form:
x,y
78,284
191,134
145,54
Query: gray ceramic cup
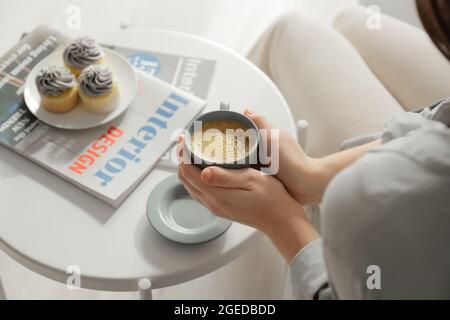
x,y
250,159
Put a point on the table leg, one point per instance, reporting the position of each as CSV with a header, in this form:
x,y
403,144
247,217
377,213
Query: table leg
x,y
145,289
2,291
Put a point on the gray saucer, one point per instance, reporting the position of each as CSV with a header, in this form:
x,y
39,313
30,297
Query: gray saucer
x,y
172,213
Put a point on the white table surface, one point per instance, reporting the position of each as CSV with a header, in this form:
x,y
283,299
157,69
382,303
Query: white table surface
x,y
47,224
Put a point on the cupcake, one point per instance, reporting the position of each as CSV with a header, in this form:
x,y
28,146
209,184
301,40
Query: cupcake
x,y
98,89
81,53
58,89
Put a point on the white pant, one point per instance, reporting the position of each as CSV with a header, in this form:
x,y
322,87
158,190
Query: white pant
x,y
349,80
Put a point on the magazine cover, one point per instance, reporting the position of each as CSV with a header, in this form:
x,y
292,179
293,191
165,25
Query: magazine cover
x,y
110,160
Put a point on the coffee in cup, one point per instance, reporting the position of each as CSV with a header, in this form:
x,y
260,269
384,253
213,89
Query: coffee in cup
x,y
223,138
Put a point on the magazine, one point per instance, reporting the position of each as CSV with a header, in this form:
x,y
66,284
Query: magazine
x,y
107,161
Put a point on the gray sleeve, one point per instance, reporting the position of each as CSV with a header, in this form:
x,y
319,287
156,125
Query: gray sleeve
x,y
433,117
308,273
386,210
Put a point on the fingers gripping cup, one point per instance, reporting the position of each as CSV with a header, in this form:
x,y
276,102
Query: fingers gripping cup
x,y
223,138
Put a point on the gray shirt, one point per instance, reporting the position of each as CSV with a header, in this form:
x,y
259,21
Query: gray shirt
x,y
386,219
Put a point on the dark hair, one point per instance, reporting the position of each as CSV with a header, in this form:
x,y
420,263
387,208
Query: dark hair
x,y
435,16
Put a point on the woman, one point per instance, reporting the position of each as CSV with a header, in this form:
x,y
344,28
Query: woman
x,y
385,204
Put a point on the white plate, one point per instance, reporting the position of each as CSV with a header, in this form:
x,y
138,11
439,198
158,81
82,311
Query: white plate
x,y
79,117
174,215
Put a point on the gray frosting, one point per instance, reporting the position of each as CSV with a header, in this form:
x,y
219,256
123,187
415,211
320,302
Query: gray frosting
x,y
96,80
82,52
53,80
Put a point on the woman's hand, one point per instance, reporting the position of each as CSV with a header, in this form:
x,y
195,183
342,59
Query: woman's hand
x,y
304,177
251,198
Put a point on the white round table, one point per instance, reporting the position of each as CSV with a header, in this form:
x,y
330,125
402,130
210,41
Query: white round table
x,y
47,224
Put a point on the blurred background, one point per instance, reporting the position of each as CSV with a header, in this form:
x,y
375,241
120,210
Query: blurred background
x,y
234,23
